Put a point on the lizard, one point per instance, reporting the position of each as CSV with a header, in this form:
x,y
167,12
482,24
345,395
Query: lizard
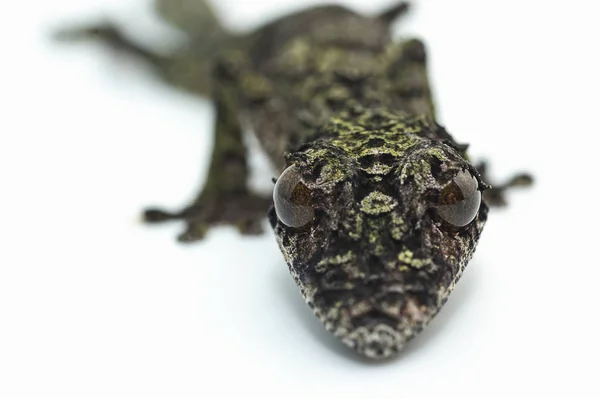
x,y
377,209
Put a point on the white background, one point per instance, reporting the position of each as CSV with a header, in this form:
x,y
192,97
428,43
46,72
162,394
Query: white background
x,y
93,304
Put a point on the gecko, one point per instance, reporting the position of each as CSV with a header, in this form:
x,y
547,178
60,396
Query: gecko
x,y
377,208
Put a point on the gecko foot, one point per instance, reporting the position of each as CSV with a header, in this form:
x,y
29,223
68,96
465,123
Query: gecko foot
x,y
496,196
246,211
110,35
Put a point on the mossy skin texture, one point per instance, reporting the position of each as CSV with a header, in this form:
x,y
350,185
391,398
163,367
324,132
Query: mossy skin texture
x,y
379,209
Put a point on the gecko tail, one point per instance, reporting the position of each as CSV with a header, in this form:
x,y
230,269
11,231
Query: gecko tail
x,y
391,14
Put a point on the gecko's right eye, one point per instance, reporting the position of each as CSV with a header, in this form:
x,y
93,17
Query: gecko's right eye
x,y
292,199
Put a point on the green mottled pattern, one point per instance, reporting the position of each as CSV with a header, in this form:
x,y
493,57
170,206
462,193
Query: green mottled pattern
x,y
352,111
376,265
328,91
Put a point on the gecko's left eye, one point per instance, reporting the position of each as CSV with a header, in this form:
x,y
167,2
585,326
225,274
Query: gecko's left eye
x,y
292,199
460,200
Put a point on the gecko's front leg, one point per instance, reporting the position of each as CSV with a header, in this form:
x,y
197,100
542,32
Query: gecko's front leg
x,y
496,196
225,198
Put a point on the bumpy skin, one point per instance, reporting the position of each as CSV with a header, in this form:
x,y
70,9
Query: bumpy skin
x,y
326,90
384,263
374,265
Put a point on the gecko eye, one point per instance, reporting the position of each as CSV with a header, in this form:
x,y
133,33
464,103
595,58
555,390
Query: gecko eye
x,y
292,199
460,200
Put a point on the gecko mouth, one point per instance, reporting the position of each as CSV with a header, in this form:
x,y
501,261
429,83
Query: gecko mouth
x,y
378,342
375,318
377,334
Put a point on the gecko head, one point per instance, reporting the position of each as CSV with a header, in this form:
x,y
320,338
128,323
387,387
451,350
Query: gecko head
x,y
376,230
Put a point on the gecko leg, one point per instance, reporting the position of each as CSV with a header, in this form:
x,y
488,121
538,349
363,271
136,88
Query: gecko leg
x,y
108,34
181,68
394,12
496,196
226,198
195,18
408,81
